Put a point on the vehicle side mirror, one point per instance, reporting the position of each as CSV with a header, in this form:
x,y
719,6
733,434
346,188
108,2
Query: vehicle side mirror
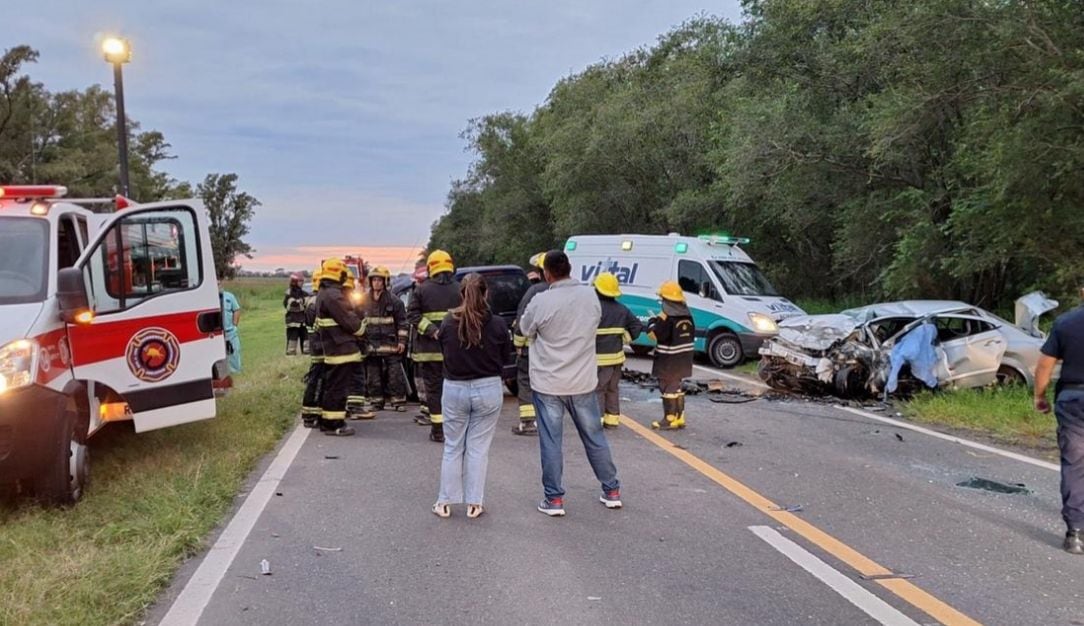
x,y
72,296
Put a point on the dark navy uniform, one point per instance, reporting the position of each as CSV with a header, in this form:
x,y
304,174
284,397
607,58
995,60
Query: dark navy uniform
x,y
384,319
339,325
674,335
314,380
616,328
1066,343
523,365
430,305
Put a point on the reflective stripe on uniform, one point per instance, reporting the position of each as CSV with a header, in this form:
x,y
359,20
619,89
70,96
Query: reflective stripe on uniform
x,y
427,357
326,322
436,418
293,325
339,359
611,331
379,320
334,415
616,358
526,411
519,341
678,349
317,359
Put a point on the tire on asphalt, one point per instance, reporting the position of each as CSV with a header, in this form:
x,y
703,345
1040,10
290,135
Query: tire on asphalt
x,y
725,351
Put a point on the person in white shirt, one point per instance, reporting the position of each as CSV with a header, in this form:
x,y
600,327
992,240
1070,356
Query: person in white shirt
x,y
562,323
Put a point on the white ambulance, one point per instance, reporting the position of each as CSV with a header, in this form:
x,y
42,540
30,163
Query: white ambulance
x,y
734,306
103,318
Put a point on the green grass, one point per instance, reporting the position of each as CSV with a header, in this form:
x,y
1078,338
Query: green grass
x,y
154,497
1002,413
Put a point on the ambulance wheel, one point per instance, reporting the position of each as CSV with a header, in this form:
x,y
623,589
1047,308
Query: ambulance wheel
x,y
641,350
65,475
725,350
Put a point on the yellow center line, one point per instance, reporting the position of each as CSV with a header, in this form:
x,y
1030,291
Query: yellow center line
x,y
904,589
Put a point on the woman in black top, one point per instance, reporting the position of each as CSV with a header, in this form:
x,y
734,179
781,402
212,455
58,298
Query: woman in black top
x,y
477,355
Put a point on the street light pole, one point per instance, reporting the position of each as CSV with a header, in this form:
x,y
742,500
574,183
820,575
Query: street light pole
x,y
118,52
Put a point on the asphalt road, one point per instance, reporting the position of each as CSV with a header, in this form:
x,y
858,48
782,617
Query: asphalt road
x,y
351,539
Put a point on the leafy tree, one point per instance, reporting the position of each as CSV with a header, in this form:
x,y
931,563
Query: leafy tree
x,y
229,212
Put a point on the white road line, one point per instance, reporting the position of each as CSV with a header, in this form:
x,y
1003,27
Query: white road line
x,y
1023,458
851,591
193,599
752,382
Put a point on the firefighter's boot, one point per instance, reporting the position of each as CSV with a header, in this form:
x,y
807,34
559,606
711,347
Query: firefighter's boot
x,y
680,421
398,404
526,428
310,417
422,419
611,421
291,346
436,433
671,411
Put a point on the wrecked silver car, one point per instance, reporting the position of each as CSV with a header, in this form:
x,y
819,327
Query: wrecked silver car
x,y
901,346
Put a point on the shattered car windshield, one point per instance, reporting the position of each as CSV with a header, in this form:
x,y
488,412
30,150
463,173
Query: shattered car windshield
x,y
742,279
24,257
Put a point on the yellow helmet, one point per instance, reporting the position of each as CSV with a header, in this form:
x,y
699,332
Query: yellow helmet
x,y
607,285
317,276
380,271
333,269
350,281
439,261
671,291
538,259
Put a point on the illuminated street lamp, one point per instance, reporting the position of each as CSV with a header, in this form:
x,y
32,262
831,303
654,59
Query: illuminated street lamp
x,y
118,52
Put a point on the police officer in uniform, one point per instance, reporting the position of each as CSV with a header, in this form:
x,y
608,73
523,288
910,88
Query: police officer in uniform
x,y
314,380
294,303
527,424
674,334
383,319
339,325
1066,344
616,328
428,307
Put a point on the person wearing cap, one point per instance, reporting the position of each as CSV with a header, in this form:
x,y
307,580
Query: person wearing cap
x,y
562,323
383,318
1066,344
339,327
617,328
294,303
428,307
674,334
314,379
527,424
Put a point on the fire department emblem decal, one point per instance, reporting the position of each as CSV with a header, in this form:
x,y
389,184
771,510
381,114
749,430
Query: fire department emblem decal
x,y
153,354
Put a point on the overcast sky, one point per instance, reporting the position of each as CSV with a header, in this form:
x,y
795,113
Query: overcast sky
x,y
342,117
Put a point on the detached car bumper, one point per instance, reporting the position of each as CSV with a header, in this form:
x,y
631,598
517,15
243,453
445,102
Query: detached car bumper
x,y
28,419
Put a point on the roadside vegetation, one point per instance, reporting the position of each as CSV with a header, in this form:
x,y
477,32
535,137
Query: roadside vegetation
x,y
1004,414
155,497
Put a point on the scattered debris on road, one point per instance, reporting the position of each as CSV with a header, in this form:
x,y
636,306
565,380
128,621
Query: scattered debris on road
x,y
331,456
985,484
265,567
734,444
793,508
323,549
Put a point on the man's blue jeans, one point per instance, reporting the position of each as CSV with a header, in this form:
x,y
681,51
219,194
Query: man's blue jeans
x,y
586,416
1069,409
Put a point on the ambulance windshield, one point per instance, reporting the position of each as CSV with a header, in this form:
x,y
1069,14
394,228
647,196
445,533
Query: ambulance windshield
x,y
24,259
742,279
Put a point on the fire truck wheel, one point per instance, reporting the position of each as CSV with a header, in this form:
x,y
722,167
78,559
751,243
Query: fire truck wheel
x,y
66,473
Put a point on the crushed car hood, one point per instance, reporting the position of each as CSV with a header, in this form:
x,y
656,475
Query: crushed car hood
x,y
1029,308
816,332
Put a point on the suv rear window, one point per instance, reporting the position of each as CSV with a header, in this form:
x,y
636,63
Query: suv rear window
x,y
506,289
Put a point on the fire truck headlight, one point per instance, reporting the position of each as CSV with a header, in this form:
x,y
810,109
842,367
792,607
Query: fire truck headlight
x,y
18,362
762,323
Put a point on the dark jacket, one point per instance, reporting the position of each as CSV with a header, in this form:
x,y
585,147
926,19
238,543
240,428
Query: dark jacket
x,y
316,345
430,304
294,303
493,358
617,327
674,334
338,324
519,340
384,321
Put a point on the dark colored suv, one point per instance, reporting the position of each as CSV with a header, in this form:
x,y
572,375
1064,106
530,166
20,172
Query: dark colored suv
x,y
507,284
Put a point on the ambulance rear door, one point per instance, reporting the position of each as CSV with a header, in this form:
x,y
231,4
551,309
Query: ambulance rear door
x,y
157,328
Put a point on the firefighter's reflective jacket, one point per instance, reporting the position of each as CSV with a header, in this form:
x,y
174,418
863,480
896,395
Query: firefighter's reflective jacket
x,y
338,324
294,303
617,327
674,334
518,340
384,323
429,305
316,346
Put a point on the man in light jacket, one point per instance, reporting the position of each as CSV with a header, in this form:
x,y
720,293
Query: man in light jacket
x,y
562,323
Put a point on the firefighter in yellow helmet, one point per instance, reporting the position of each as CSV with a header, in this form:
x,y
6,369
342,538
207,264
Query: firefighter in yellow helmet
x,y
384,319
357,405
674,334
294,303
314,380
428,307
338,325
526,425
616,328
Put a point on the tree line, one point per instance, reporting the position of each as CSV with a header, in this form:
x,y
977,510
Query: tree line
x,y
69,138
869,148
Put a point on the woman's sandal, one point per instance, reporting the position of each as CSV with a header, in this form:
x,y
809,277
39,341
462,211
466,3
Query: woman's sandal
x,y
442,510
475,510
